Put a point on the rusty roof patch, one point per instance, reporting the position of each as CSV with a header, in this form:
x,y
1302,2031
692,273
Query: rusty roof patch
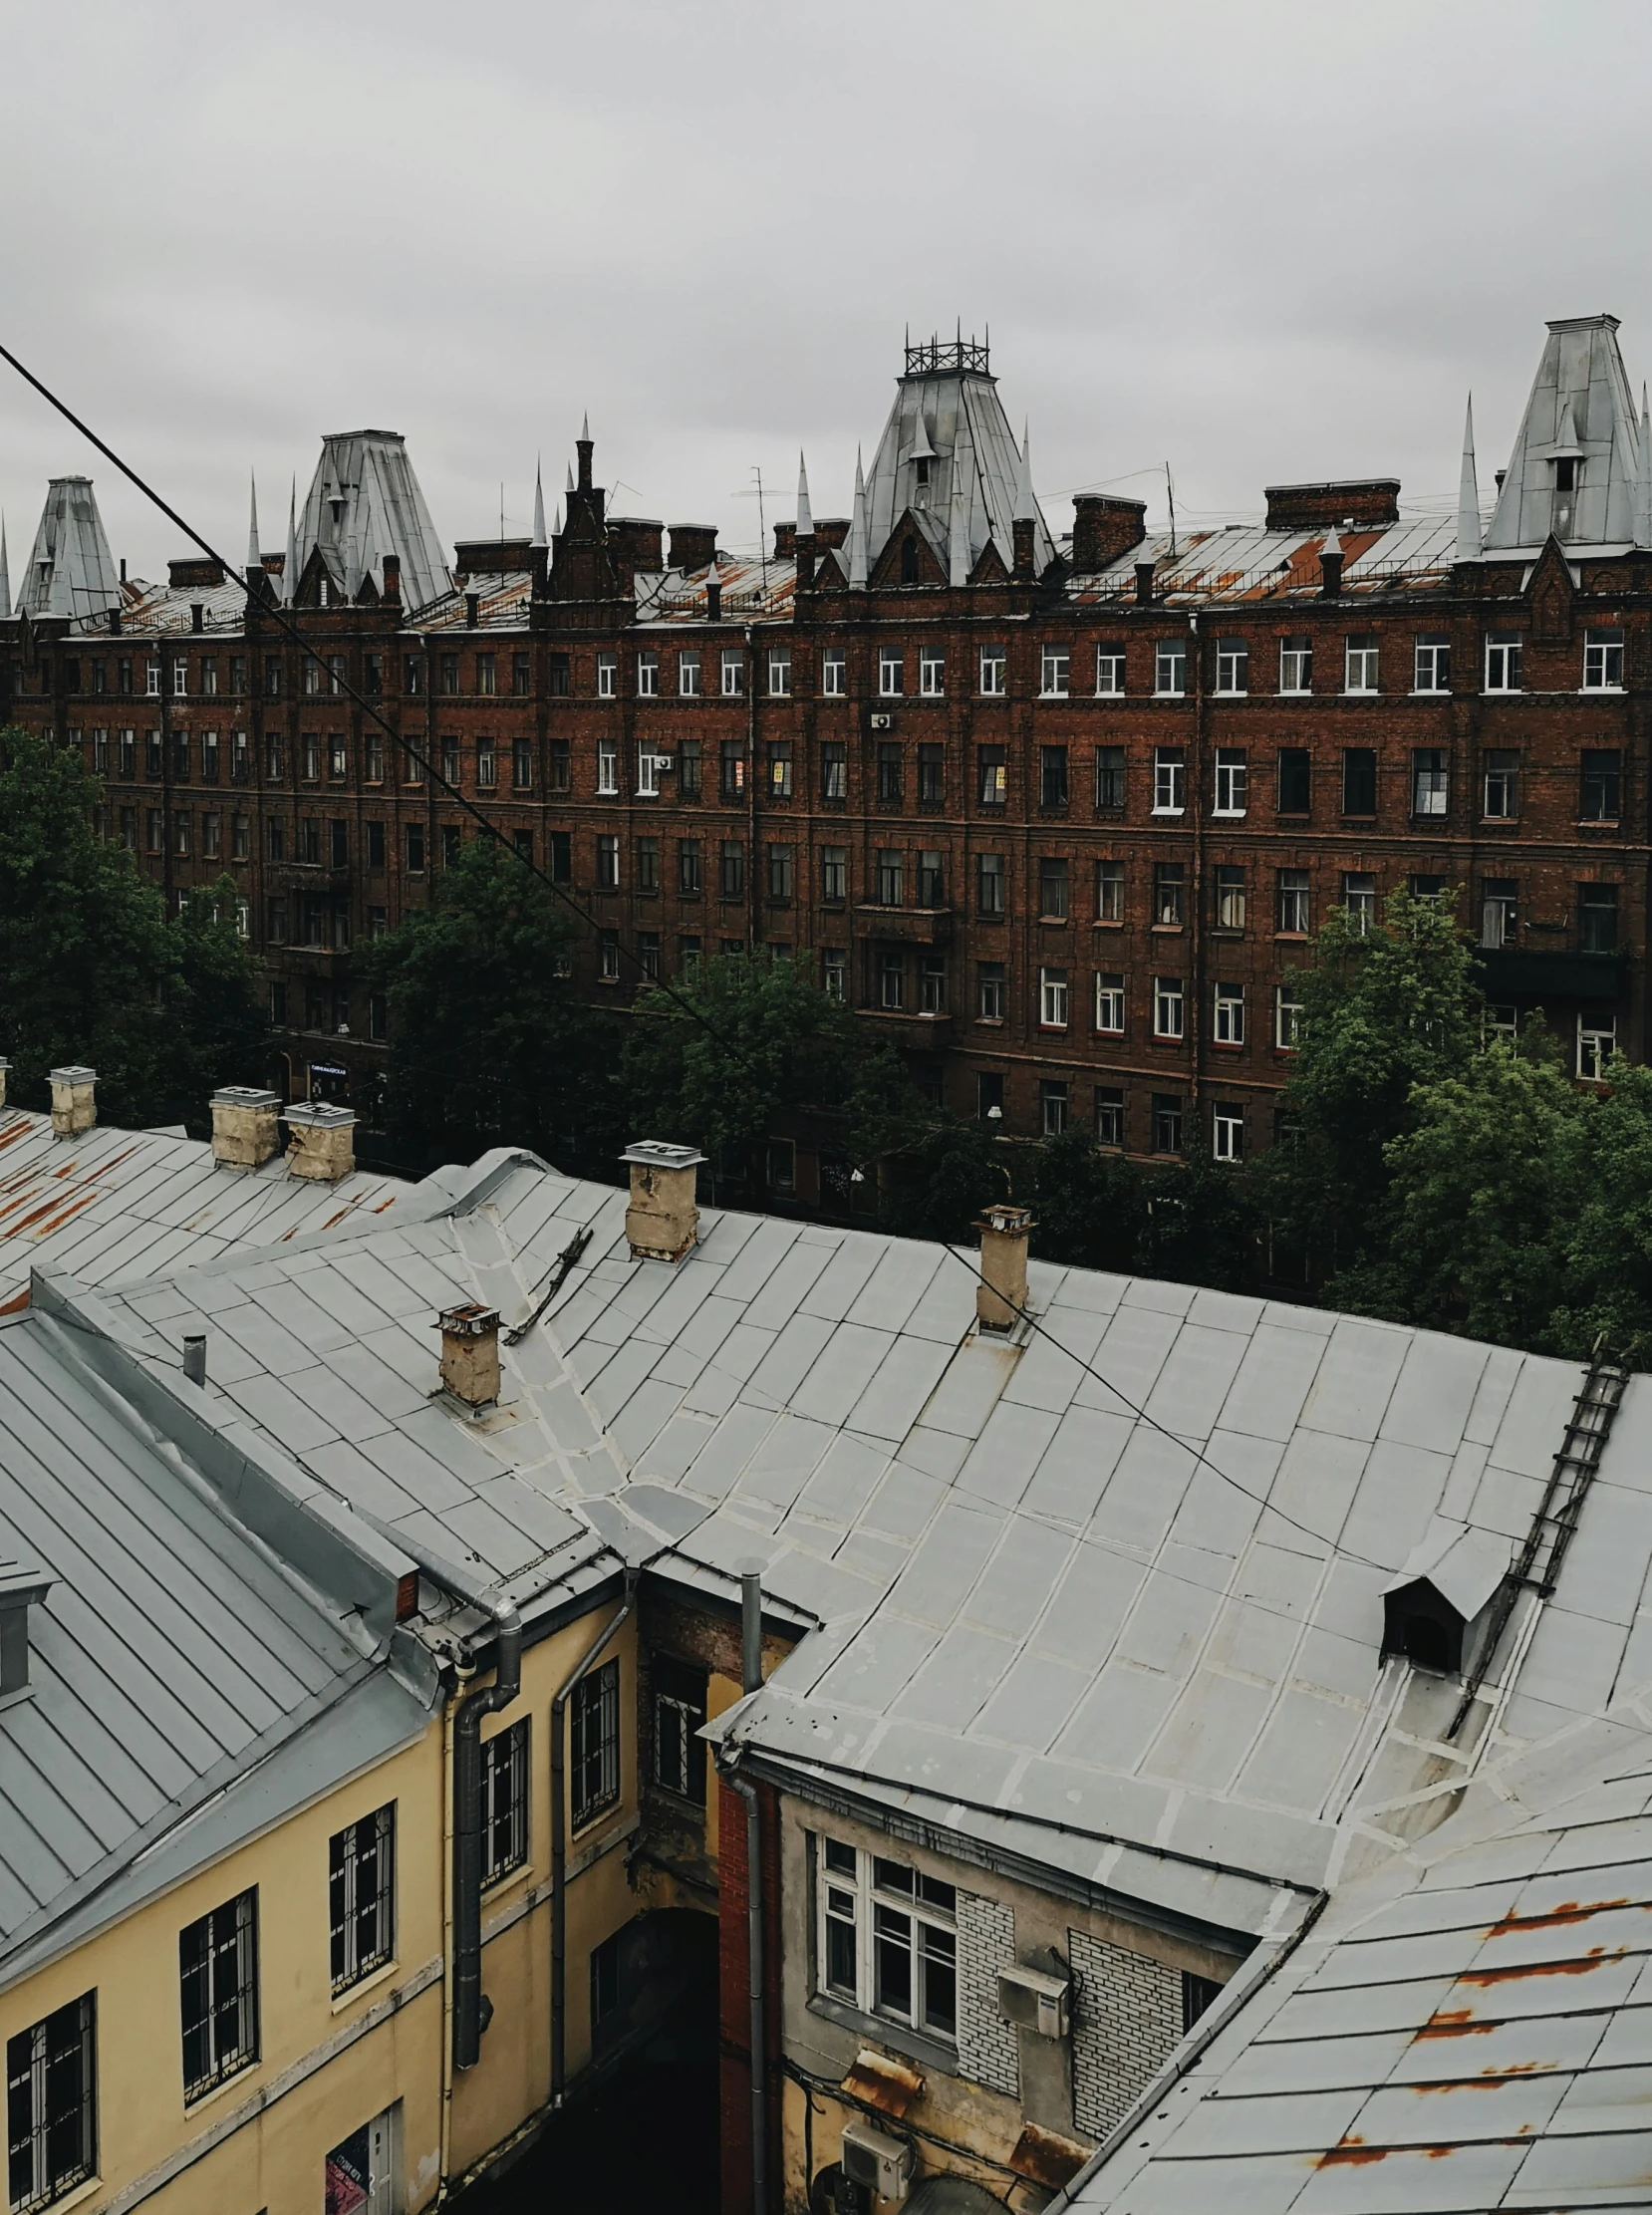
x,y
1045,2157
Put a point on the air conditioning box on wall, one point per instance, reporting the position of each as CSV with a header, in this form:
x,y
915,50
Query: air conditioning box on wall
x,y
1035,2001
872,2158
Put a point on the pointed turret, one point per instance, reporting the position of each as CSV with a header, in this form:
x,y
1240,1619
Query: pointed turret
x,y
5,577
539,538
366,502
1575,467
805,514
289,571
255,560
957,538
922,451
1468,493
1643,478
70,571
1026,507
857,531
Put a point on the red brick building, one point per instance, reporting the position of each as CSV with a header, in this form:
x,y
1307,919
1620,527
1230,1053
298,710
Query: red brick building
x,y
1058,813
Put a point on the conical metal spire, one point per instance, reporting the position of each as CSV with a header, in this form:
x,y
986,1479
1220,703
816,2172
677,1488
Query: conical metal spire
x,y
568,486
805,514
5,577
957,539
1643,478
1026,507
1468,495
1332,545
539,538
255,559
585,426
857,530
288,572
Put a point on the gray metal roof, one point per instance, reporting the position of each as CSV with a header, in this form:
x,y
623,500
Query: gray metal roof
x,y
173,1655
1249,564
365,503
954,417
70,571
134,1203
1580,406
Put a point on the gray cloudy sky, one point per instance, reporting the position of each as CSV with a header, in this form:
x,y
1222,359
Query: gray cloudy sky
x,y
1269,240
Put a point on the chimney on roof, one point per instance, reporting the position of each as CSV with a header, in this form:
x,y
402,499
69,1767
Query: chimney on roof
x,y
20,1590
470,1355
1104,528
247,1126
472,607
694,545
1143,582
785,541
197,616
392,577
1023,529
662,1221
1362,503
194,1358
74,1100
713,598
1004,1231
1331,566
324,1140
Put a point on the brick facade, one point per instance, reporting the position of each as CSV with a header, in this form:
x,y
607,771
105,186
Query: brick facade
x,y
987,2050
1127,2022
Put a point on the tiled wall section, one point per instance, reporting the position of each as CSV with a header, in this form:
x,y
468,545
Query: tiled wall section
x,y
1127,2022
987,2049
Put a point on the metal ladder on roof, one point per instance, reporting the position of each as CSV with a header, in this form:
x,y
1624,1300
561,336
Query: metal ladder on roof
x,y
1538,1568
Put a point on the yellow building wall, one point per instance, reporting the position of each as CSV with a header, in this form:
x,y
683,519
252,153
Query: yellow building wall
x,y
313,2084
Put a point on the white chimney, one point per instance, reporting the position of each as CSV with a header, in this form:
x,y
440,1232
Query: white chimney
x,y
74,1100
247,1126
1004,1231
662,1221
324,1140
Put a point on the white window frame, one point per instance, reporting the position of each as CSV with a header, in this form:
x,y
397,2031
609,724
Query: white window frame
x,y
181,679
1295,666
891,672
688,674
1288,1014
779,673
608,676
648,673
1504,655
1109,673
732,673
1359,902
995,664
931,673
1359,665
1231,781
862,1908
1110,1003
1430,789
1169,1008
1232,668
1301,900
1227,1133
1596,1043
1053,998
1425,654
1229,1028
1054,673
151,680
1170,655
1603,663
1510,791
1170,781
608,768
648,771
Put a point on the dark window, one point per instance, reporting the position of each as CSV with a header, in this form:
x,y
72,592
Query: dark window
x,y
834,770
687,768
889,771
558,765
594,1743
931,775
448,665
781,873
1052,776
413,672
1052,889
688,865
339,845
990,1095
1601,781
1110,778
732,769
451,840
605,1980
1597,918
218,1983
521,675
1424,1627
523,843
415,850
1500,785
909,561
731,869
1166,1123
51,2106
648,865
932,879
1197,1994
1109,1115
562,682
1359,780
679,1716
361,1868
1166,893
990,884
562,857
521,765
1293,780
504,1800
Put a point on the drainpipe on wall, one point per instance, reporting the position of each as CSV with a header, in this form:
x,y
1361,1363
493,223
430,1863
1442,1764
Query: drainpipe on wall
x,y
471,2012
559,1841
1197,917
751,1679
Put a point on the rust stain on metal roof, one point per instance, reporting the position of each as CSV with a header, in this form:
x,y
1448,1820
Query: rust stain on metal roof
x,y
1577,1964
1045,2157
1351,2153
1568,1911
1454,2023
16,1304
384,1204
888,2085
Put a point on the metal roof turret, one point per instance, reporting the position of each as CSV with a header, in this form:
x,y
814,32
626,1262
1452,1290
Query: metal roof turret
x,y
1575,465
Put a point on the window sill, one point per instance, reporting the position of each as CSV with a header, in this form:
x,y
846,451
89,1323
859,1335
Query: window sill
x,y
1294,692
1059,922
1601,823
1176,812
231,2082
1363,691
1109,923
1167,696
1054,1030
1164,1039
1054,695
1227,1045
1227,814
1109,1033
74,2198
1168,930
370,1983
1290,938
1608,691
1353,816
934,2053
990,1022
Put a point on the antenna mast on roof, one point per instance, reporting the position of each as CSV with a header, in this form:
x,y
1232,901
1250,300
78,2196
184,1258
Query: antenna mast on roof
x,y
763,529
1170,496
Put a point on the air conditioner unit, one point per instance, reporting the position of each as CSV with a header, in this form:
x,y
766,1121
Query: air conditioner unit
x,y
883,722
877,2160
1035,2001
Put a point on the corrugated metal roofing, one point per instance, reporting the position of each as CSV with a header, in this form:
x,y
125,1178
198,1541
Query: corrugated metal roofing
x,y
1248,563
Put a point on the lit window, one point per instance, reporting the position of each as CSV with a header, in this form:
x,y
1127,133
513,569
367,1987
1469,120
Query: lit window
x,y
993,775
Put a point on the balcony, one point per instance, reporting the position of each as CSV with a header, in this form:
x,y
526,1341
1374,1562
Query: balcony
x,y
1525,972
903,1027
903,926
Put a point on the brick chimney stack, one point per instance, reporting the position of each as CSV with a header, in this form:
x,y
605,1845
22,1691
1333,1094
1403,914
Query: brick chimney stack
x,y
662,1220
1004,1231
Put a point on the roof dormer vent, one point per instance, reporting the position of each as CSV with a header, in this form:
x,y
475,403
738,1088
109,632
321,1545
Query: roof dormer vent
x,y
20,1590
1430,1609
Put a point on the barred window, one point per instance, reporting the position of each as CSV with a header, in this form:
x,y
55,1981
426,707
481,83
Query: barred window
x,y
678,1717
504,1802
51,2106
362,1897
218,1985
593,1744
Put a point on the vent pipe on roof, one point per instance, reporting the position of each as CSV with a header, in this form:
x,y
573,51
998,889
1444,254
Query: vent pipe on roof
x,y
470,1355
247,1126
324,1140
1143,582
662,1221
713,598
194,1358
20,1590
74,1100
1001,1297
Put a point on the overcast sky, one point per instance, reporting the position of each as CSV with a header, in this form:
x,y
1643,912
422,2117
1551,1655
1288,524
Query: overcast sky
x,y
1264,242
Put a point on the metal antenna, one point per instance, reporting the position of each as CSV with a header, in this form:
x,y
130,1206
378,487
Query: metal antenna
x,y
762,529
1170,496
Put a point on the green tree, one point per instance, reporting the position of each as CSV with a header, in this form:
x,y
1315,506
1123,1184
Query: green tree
x,y
1607,1222
937,1172
487,1044
1385,1010
91,969
1091,1206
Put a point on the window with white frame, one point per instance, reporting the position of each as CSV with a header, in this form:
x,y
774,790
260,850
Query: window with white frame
x,y
1169,668
1052,999
1230,781
1359,672
1500,771
1110,1002
1596,1043
505,1791
151,680
361,1878
779,673
1359,900
180,677
993,666
834,673
218,1994
1293,902
1054,672
1232,666
1432,662
608,766
932,671
1170,781
1168,1007
733,673
887,1939
1503,660
891,671
1603,660
1296,664
648,771
688,672
648,673
1229,1015
608,676
1227,1132
51,2106
1288,1013
1109,669
1430,781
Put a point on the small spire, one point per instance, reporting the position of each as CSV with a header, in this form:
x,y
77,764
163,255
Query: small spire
x,y
1027,509
538,504
922,451
556,527
5,577
805,514
1332,548
1643,480
255,559
585,427
569,487
957,544
1468,495
289,574
857,531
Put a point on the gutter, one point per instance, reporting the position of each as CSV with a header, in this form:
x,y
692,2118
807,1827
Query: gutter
x,y
751,1680
559,1840
472,2010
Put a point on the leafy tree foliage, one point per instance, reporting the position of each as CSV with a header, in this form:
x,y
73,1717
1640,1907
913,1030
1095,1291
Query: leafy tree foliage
x,y
92,971
487,1046
939,1173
